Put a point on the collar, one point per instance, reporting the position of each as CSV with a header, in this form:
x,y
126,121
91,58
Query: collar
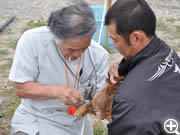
x,y
152,48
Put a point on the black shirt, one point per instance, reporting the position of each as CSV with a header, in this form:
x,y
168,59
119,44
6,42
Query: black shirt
x,y
150,93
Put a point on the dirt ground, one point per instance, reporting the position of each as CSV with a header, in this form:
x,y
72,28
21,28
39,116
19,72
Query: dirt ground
x,y
36,12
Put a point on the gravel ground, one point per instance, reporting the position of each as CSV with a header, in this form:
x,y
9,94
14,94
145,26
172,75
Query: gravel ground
x,y
26,10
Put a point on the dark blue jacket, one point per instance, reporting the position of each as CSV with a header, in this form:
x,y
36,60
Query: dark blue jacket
x,y
150,93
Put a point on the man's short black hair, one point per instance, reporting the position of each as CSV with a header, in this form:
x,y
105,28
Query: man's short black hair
x,y
131,15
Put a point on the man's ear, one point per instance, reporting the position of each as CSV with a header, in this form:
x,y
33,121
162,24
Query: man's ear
x,y
136,38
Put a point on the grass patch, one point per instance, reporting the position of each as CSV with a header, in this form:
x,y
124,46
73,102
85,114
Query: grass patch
x,y
6,31
177,28
1,114
7,85
176,33
161,26
13,43
171,20
176,48
34,24
99,128
7,109
3,52
15,101
6,64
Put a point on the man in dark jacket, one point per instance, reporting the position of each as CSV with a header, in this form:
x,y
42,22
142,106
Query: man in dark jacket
x,y
150,94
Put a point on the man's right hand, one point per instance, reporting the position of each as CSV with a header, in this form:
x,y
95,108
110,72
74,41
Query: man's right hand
x,y
36,91
113,73
69,96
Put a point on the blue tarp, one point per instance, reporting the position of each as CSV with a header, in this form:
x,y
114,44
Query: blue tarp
x,y
98,11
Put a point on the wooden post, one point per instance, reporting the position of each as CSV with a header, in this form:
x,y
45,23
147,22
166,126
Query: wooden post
x,y
10,19
107,36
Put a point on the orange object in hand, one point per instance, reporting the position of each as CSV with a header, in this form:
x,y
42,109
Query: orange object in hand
x,y
71,110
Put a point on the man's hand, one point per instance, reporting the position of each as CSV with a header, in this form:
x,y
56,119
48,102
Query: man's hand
x,y
69,96
113,73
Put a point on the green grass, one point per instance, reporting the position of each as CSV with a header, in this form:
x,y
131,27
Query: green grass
x,y
177,28
161,25
171,20
6,31
171,30
99,128
176,48
4,67
13,101
176,32
3,52
13,43
7,110
177,35
1,114
34,24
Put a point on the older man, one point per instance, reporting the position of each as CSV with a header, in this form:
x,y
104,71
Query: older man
x,y
150,92
55,67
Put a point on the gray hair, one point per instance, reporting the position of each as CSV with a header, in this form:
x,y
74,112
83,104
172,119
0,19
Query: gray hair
x,y
73,22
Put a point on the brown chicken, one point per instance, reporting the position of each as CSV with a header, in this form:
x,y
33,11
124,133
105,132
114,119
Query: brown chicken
x,y
103,100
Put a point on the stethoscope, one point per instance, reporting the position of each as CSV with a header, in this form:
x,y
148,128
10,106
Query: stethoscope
x,y
89,89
